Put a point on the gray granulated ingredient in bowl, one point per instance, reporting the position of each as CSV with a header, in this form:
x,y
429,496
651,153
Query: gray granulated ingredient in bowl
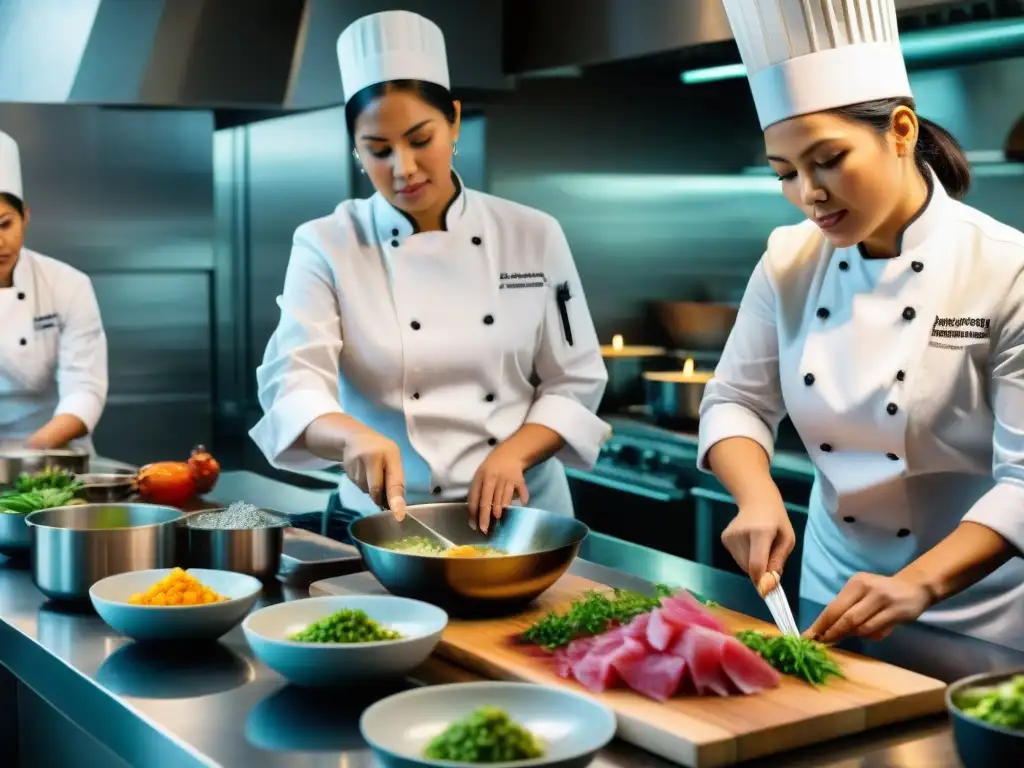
x,y
239,516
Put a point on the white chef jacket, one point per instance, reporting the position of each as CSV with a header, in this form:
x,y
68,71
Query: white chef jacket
x,y
905,380
53,349
433,339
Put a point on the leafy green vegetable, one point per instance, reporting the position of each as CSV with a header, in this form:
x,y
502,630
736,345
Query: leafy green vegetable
x,y
51,477
32,501
796,656
1001,705
488,735
593,614
345,626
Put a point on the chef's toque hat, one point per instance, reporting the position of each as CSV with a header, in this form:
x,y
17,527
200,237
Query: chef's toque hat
x,y
10,166
805,56
391,45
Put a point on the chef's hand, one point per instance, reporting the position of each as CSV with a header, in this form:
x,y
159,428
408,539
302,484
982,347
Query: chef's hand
x,y
496,482
374,463
760,538
871,606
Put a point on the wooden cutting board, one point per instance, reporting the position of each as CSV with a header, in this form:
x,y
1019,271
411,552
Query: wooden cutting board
x,y
697,731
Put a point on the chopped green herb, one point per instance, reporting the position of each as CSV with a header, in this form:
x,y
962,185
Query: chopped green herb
x,y
1001,705
796,656
595,613
345,626
487,735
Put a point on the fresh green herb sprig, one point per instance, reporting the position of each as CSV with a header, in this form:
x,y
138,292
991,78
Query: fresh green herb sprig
x,y
593,614
51,477
21,503
799,657
487,735
345,626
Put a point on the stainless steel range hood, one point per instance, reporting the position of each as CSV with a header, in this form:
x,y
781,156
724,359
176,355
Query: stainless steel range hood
x,y
545,35
248,54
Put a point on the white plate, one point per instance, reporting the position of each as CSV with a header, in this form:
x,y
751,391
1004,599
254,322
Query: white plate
x,y
572,726
174,622
321,664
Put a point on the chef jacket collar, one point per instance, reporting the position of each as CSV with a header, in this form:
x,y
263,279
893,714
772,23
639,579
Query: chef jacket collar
x,y
392,222
923,223
22,275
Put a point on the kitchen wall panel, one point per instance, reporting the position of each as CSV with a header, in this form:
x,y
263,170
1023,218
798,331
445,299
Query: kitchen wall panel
x,y
647,176
127,197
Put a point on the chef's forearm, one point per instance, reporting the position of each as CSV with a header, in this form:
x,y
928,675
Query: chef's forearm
x,y
742,466
533,443
328,435
970,553
58,432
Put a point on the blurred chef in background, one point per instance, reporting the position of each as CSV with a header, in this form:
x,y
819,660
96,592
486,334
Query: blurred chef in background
x,y
53,350
890,327
469,364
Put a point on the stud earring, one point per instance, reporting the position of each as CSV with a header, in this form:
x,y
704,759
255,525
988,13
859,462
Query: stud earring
x,y
455,148
355,156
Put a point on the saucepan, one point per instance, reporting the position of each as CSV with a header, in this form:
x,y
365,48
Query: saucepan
x,y
538,548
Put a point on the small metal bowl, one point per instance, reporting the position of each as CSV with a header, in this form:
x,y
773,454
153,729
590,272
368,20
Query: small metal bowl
x,y
253,551
102,488
14,461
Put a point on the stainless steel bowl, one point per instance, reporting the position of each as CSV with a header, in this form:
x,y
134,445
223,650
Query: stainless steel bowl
x,y
74,547
15,461
253,551
673,397
541,546
113,486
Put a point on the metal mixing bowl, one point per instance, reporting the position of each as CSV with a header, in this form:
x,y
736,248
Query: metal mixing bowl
x,y
540,545
111,486
74,547
14,461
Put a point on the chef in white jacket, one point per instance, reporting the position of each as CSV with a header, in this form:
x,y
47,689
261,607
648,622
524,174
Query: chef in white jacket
x,y
890,327
453,321
53,351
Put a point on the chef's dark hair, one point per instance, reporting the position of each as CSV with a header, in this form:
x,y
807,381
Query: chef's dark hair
x,y
437,96
936,146
15,202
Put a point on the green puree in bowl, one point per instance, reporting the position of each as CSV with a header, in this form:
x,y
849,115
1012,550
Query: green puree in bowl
x,y
488,735
1001,705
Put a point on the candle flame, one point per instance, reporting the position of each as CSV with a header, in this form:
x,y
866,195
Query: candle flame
x,y
617,341
688,367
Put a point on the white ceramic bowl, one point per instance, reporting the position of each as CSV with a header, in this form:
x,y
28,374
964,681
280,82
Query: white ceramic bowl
x,y
573,727
322,664
174,622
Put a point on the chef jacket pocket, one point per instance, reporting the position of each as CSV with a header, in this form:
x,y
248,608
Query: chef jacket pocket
x,y
522,317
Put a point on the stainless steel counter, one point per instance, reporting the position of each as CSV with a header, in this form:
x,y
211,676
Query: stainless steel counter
x,y
216,705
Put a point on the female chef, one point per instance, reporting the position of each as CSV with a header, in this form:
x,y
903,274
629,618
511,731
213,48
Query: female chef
x,y
53,351
890,327
438,304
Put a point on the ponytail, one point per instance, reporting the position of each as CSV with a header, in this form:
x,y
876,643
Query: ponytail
x,y
936,147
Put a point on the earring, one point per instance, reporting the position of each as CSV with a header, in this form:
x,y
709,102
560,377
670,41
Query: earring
x,y
355,156
455,148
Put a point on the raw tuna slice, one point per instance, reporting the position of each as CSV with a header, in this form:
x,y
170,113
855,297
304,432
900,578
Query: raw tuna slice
x,y
658,675
597,671
747,671
661,633
683,609
637,628
702,649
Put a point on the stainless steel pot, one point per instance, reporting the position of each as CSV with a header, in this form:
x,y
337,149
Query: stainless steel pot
x,y
696,325
673,396
15,461
540,545
253,551
74,547
625,368
14,536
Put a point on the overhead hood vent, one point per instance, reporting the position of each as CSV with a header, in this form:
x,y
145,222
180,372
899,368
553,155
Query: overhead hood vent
x,y
546,35
214,54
